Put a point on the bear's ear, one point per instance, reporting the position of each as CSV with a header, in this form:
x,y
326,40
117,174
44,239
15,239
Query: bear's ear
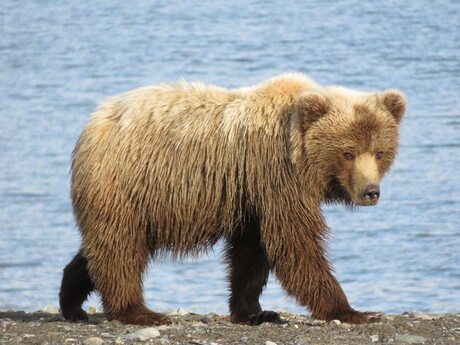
x,y
395,102
310,107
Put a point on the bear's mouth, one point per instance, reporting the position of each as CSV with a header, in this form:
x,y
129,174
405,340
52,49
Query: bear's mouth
x,y
366,201
336,193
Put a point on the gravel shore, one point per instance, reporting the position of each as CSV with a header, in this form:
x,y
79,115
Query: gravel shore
x,y
47,327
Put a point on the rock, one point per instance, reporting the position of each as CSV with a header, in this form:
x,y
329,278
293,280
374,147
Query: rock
x,y
7,323
181,312
16,340
50,309
131,336
107,335
410,339
301,341
178,312
374,338
210,317
207,320
268,342
336,322
163,327
141,334
419,315
93,341
148,333
92,310
71,340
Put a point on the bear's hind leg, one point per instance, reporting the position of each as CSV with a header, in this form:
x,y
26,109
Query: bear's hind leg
x,y
76,285
117,269
248,274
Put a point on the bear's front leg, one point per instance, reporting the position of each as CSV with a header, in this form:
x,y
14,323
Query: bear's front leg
x,y
298,259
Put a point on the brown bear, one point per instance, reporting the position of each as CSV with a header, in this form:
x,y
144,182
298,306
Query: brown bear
x,y
175,168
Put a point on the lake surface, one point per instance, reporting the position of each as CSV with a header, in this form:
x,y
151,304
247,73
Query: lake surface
x,y
59,59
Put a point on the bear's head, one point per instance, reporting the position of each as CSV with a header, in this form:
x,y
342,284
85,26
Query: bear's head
x,y
345,141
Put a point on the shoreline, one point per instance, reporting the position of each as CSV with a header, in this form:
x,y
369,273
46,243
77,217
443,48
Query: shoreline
x,y
48,327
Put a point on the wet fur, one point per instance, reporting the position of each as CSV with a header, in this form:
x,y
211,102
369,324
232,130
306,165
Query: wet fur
x,y
175,168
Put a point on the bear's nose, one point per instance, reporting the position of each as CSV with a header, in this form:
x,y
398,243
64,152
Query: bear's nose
x,y
372,192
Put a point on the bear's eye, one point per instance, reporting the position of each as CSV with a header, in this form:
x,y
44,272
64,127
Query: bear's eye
x,y
348,156
379,155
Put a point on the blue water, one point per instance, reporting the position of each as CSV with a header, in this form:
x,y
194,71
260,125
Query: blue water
x,y
59,59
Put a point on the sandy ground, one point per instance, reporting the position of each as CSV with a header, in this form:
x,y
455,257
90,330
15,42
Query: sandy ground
x,y
47,328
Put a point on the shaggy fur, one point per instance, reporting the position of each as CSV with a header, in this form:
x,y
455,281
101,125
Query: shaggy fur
x,y
175,168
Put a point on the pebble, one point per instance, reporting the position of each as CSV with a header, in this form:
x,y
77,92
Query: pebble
x,y
141,334
410,339
268,342
163,327
71,340
336,322
7,322
92,310
419,315
50,309
301,341
148,333
16,339
210,317
131,336
181,312
374,338
93,341
178,312
107,335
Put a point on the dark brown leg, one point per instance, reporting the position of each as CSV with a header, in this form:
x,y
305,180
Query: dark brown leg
x,y
248,273
76,285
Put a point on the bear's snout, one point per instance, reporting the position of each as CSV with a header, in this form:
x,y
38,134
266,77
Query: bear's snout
x,y
371,194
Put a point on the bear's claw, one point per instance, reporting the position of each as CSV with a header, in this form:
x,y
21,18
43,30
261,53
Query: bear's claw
x,y
265,316
75,314
144,319
357,317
